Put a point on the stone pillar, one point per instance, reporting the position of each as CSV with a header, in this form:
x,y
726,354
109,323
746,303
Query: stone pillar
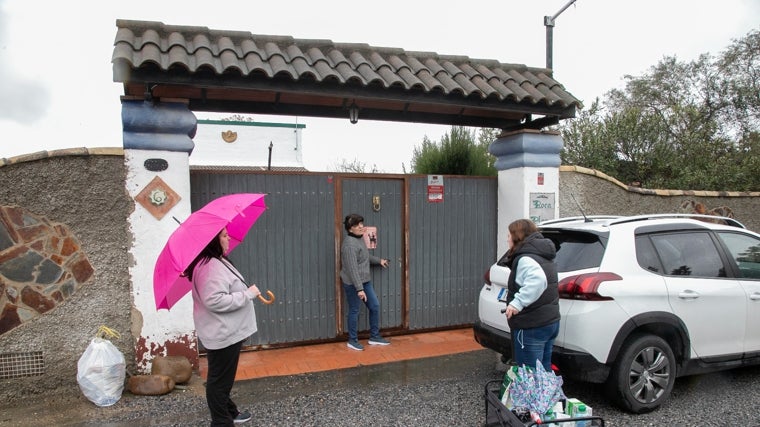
x,y
528,182
157,146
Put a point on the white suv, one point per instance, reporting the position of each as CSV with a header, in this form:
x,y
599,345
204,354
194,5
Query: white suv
x,y
643,300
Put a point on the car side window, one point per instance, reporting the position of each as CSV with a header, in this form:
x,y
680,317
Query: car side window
x,y
647,256
689,254
745,250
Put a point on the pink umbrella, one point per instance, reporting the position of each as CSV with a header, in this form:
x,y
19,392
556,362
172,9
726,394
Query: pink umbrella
x,y
237,212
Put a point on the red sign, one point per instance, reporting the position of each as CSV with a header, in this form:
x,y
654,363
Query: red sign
x,y
435,188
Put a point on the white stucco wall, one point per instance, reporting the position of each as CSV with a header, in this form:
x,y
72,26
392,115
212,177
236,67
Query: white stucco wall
x,y
251,146
514,189
155,328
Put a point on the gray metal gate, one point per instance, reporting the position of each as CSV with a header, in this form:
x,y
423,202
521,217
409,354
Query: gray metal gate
x,y
290,251
438,250
451,244
388,216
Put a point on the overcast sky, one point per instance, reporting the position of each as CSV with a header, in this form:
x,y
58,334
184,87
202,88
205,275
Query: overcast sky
x,y
56,88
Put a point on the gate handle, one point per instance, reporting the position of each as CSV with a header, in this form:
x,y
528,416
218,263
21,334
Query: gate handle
x,y
267,301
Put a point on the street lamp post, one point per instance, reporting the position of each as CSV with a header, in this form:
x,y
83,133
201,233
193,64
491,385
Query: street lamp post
x,y
549,24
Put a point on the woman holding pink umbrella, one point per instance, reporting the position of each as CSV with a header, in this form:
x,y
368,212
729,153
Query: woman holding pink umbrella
x,y
224,317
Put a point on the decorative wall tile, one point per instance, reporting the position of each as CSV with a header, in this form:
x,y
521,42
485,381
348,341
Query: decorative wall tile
x,y
157,197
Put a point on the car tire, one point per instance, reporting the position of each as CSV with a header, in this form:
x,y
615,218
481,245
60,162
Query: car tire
x,y
643,374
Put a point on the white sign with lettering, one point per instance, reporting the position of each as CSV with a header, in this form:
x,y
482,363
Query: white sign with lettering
x,y
541,206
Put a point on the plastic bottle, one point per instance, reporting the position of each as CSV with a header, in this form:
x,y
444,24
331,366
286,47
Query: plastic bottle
x,y
582,411
509,378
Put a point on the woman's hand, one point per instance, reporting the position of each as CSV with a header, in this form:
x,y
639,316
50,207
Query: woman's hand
x,y
254,290
511,311
384,262
362,296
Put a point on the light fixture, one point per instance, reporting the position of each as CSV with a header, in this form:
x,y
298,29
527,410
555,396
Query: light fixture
x,y
376,203
353,113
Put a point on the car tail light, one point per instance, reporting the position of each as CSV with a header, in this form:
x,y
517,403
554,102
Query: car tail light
x,y
487,277
584,286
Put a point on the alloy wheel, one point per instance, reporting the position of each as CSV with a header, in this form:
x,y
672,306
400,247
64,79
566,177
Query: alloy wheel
x,y
649,374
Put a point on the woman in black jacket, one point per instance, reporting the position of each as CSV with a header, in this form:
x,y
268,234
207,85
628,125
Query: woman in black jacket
x,y
532,298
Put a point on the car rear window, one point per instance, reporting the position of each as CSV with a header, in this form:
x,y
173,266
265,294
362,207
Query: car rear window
x,y
576,250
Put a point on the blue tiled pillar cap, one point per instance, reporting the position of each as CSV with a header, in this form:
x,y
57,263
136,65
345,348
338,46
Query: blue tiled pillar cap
x,y
166,126
527,149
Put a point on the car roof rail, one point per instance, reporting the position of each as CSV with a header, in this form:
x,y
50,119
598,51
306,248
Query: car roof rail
x,y
707,218
589,218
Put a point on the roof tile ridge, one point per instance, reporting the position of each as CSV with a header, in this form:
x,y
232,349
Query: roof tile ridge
x,y
424,75
385,51
201,41
462,79
365,67
343,66
227,44
278,60
385,69
506,78
352,46
479,80
442,75
321,64
405,72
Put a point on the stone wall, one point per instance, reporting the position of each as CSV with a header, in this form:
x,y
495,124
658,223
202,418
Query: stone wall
x,y
64,218
599,194
42,264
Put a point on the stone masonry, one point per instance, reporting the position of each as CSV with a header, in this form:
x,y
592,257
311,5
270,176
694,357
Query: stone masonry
x,y
41,265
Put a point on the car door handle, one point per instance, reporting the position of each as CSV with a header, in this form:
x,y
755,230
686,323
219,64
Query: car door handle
x,y
687,294
755,296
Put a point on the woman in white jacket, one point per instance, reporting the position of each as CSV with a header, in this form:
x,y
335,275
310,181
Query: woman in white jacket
x,y
224,317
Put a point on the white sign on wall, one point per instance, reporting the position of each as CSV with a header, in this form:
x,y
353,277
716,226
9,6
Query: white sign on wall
x,y
541,206
435,188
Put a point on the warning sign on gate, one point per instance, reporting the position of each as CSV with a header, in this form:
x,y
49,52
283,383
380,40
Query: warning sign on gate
x,y
435,188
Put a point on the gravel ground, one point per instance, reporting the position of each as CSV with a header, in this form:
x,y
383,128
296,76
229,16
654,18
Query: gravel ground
x,y
441,391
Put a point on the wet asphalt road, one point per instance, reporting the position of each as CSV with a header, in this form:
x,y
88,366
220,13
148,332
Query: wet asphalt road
x,y
441,391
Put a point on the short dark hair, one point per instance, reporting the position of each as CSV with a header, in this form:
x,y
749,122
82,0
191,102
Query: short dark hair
x,y
352,220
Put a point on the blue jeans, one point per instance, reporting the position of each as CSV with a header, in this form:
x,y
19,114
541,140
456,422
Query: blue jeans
x,y
534,344
355,303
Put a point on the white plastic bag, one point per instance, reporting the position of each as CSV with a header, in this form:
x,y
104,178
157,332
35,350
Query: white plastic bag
x,y
101,370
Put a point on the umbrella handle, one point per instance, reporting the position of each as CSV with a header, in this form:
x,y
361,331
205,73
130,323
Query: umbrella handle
x,y
267,301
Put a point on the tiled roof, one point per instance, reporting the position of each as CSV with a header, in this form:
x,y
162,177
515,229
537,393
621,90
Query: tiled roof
x,y
152,52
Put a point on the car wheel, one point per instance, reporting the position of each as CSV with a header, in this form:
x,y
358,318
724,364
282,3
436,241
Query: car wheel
x,y
643,374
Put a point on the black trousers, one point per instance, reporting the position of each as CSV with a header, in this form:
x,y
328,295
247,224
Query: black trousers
x,y
222,365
